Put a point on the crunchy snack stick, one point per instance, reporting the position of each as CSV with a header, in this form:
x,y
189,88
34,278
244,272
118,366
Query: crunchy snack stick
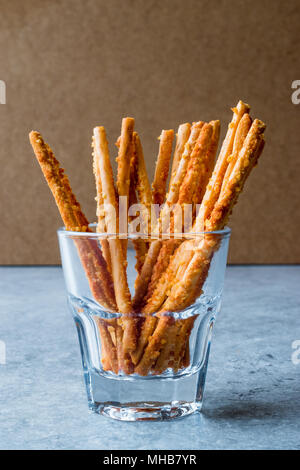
x,y
101,227
162,167
142,281
173,194
118,263
186,289
140,245
91,257
215,183
123,177
198,171
183,134
74,220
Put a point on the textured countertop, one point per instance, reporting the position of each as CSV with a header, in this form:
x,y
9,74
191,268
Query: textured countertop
x,y
252,389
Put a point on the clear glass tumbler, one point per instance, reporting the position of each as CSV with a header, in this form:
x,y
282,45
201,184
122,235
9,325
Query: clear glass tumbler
x,y
173,384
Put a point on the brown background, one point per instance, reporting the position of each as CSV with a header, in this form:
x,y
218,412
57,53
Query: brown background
x,y
73,64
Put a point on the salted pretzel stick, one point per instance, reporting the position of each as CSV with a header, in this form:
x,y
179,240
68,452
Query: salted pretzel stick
x,y
123,176
74,220
183,292
182,136
162,167
118,263
215,183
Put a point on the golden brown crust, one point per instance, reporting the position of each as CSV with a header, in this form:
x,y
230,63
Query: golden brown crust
x,y
118,262
123,176
140,245
101,226
197,167
187,288
109,352
214,186
92,260
183,134
166,251
240,136
143,279
154,346
173,194
162,167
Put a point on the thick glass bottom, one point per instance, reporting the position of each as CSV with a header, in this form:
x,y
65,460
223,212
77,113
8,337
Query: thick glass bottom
x,y
135,398
152,411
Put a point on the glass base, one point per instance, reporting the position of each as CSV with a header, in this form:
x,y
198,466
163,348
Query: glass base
x,y
146,411
151,398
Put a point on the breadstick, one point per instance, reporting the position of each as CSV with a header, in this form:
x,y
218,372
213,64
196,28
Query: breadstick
x,y
100,213
74,220
166,356
166,251
183,134
117,260
162,167
240,136
123,176
215,183
211,193
195,177
247,158
173,194
196,171
140,245
154,346
142,183
212,151
118,263
183,292
143,279
180,294
109,352
157,247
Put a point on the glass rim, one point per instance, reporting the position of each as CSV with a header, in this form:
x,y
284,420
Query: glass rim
x,y
225,232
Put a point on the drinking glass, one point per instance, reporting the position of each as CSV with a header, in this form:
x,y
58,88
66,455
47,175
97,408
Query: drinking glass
x,y
173,386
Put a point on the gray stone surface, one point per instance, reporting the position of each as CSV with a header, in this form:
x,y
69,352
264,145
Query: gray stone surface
x,y
252,398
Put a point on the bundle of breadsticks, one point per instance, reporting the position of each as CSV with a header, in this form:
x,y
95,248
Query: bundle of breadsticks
x,y
143,337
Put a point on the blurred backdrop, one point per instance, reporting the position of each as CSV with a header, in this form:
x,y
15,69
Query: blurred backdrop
x,y
69,65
